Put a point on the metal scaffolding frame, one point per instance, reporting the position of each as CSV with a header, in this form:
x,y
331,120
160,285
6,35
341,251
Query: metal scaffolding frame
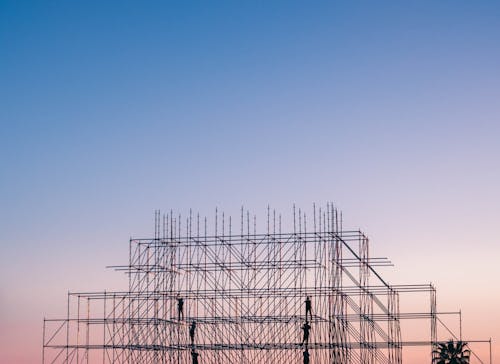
x,y
242,297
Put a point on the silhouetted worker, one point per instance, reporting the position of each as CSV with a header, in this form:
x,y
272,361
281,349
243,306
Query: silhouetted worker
x,y
306,356
308,307
194,357
306,327
192,330
180,307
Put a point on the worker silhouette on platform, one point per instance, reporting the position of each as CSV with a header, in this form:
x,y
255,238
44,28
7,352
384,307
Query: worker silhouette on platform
x,y
192,330
180,308
194,357
308,307
306,328
306,356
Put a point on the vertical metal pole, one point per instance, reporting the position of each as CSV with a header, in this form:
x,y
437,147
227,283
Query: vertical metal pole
x,y
491,357
114,328
88,330
104,331
67,332
460,314
78,331
129,304
433,321
43,342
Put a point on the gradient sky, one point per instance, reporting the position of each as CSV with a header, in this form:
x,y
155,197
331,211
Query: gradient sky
x,y
110,110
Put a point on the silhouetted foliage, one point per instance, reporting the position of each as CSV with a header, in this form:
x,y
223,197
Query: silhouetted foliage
x,y
452,352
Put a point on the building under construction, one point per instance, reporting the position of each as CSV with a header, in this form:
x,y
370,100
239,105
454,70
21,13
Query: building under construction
x,y
231,293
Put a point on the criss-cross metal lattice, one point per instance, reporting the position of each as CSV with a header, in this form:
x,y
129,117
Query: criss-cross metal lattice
x,y
226,297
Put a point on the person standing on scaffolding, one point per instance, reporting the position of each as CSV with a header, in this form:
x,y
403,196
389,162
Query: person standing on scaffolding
x,y
180,307
194,357
306,327
306,356
192,330
308,307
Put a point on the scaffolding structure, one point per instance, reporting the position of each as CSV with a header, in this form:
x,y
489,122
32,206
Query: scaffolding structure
x,y
230,295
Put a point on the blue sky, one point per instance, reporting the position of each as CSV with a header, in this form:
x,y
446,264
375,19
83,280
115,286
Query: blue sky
x,y
109,111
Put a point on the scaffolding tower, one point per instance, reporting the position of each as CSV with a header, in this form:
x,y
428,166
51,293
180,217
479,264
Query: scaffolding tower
x,y
310,295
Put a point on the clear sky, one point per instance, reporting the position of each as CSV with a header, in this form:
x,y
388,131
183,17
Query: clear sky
x,y
110,110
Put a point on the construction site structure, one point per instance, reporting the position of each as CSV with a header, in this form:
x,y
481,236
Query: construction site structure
x,y
231,294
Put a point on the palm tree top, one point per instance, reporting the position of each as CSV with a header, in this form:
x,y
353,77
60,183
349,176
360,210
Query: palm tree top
x,y
451,352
